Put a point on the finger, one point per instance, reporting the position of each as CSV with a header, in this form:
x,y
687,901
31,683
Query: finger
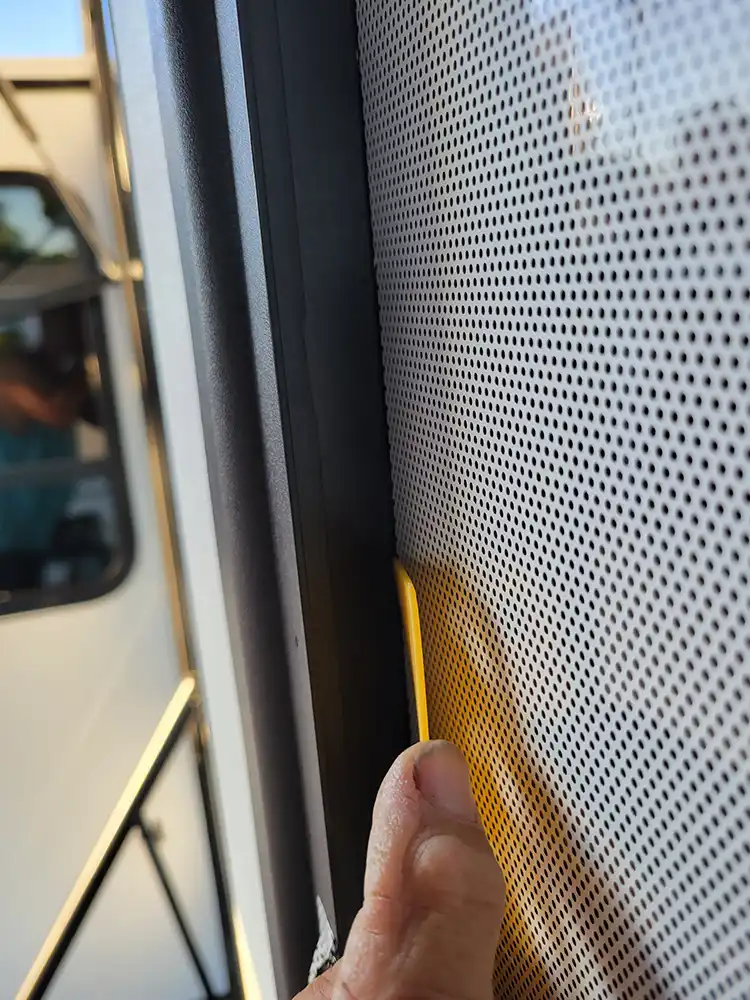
x,y
320,988
434,895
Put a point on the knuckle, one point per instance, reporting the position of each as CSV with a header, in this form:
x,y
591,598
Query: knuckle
x,y
453,875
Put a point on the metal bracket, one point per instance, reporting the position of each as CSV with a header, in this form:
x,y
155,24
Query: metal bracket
x,y
126,817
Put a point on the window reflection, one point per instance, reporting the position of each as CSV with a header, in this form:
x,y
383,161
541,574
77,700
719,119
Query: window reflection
x,y
32,226
58,511
44,260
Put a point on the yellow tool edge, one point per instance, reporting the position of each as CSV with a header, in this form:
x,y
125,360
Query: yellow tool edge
x,y
407,598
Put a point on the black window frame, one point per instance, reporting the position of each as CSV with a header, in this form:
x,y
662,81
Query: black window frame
x,y
315,263
55,596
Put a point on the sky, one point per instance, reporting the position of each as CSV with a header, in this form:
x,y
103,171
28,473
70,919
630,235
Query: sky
x,y
40,28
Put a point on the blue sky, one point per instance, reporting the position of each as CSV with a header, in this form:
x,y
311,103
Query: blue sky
x,y
40,28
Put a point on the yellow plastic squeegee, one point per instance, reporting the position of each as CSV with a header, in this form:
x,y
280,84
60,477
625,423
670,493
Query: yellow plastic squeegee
x,y
407,598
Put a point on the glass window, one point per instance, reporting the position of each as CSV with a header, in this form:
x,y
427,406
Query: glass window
x,y
43,258
64,529
33,227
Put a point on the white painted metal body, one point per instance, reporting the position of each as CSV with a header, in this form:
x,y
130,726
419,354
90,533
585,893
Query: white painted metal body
x,y
83,686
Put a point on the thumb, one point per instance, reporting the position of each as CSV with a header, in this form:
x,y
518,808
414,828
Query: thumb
x,y
434,895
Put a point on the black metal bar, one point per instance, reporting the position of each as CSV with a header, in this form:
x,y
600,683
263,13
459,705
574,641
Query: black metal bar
x,y
308,155
123,817
153,851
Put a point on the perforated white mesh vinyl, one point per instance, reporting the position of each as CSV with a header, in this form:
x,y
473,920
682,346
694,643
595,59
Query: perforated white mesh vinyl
x,y
561,213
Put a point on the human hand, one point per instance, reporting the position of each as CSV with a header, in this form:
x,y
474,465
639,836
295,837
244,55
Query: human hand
x,y
27,393
434,894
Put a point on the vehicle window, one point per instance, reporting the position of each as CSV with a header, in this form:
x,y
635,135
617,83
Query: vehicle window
x,y
64,528
31,225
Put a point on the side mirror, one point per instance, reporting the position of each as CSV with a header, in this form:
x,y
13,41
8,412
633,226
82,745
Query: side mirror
x,y
45,261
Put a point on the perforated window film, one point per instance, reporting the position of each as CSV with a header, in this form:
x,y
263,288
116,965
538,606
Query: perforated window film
x,y
560,201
